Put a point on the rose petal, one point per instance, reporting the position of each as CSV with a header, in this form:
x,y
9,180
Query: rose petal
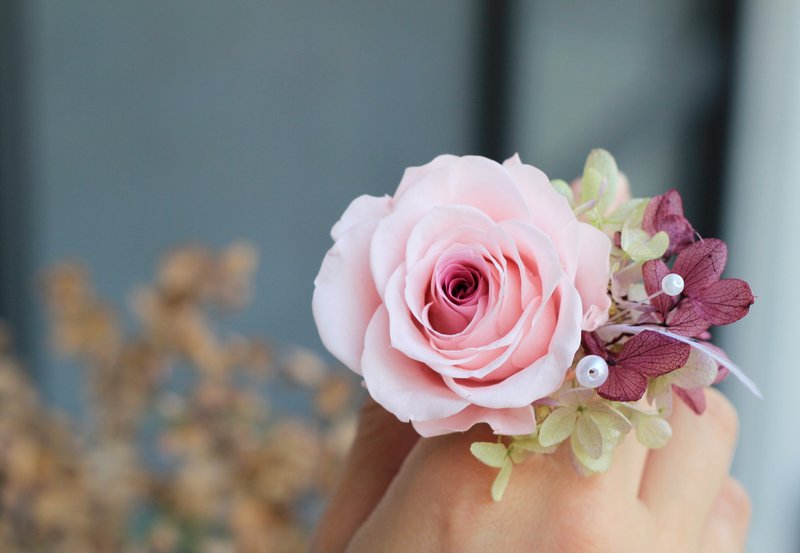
x,y
542,377
418,280
344,298
406,336
364,208
387,249
508,422
593,275
404,387
412,175
472,181
549,210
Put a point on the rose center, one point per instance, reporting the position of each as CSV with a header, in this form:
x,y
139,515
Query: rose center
x,y
456,292
462,285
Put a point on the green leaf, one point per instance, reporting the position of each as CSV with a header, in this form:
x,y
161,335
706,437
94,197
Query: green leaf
x,y
490,453
589,437
558,426
501,481
564,189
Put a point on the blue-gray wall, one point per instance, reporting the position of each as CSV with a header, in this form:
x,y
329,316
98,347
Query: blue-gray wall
x,y
160,123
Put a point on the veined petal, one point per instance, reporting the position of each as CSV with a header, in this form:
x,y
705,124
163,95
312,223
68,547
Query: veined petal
x,y
724,302
653,354
701,264
558,426
588,435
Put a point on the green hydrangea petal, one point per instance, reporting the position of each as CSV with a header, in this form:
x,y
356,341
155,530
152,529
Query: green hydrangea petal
x,y
641,247
599,180
588,435
558,426
700,371
564,189
607,417
501,481
652,431
592,465
490,453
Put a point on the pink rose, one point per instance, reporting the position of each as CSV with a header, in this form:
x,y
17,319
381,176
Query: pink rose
x,y
462,298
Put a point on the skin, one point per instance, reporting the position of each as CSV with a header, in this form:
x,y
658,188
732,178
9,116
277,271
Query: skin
x,y
398,493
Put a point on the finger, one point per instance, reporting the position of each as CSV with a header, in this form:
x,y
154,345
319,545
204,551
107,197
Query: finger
x,y
627,468
443,490
380,447
681,481
728,522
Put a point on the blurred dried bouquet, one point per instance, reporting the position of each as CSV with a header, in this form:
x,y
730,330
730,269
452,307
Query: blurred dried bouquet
x,y
180,451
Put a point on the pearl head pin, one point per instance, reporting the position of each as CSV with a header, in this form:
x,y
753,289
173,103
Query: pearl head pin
x,y
672,284
592,371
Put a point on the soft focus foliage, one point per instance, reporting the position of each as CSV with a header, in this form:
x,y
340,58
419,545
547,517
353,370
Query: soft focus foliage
x,y
181,451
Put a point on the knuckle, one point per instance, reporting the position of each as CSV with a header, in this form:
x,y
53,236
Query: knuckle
x,y
738,500
722,415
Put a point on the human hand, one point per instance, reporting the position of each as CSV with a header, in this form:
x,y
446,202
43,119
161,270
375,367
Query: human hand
x,y
398,493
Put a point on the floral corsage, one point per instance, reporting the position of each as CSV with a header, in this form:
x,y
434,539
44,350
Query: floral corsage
x,y
485,293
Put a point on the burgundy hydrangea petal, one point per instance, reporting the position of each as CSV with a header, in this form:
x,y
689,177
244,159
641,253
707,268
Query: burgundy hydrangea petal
x,y
593,345
653,271
669,203
701,264
653,354
680,231
623,384
686,320
724,302
694,398
665,213
651,214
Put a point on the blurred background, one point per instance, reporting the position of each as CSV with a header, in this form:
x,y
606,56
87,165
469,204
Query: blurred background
x,y
131,128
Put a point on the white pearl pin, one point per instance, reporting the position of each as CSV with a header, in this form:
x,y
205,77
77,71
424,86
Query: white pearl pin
x,y
672,284
592,371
